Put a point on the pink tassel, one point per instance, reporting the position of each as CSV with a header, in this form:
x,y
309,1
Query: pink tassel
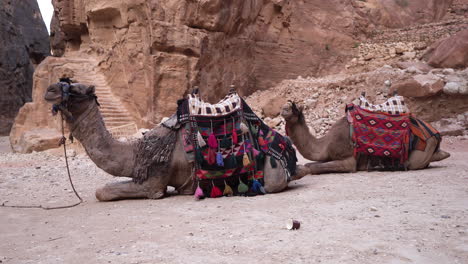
x,y
215,192
199,193
212,142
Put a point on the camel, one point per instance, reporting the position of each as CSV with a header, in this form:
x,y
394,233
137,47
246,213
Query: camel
x,y
334,151
120,158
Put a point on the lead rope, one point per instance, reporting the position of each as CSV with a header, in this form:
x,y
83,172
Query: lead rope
x,y
62,142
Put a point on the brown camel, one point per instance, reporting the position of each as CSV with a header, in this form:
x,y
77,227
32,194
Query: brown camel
x,y
334,151
119,158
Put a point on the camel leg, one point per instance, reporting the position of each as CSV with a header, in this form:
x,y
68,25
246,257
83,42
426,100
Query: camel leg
x,y
275,178
439,155
151,189
420,159
346,165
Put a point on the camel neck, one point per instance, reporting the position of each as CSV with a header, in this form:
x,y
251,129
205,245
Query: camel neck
x,y
309,146
109,154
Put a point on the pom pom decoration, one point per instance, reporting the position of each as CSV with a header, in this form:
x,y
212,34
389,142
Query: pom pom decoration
x,y
242,187
212,141
227,190
199,193
256,185
215,192
201,141
219,159
245,160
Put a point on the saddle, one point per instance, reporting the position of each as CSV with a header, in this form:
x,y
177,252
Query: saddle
x,y
228,144
387,131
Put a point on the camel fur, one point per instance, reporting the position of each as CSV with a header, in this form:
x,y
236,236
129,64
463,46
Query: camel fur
x,y
334,151
119,158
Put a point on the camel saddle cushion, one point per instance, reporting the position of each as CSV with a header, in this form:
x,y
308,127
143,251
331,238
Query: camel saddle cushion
x,y
394,105
379,134
229,144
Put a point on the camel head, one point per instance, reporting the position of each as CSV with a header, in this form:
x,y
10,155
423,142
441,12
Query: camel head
x,y
70,98
292,113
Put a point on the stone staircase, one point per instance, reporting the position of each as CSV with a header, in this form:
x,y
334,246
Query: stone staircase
x,y
117,119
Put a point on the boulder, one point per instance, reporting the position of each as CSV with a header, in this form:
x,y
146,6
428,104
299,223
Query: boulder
x,y
419,65
450,127
451,52
37,140
272,107
420,85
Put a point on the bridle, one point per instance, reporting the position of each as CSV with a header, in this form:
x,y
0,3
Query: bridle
x,y
68,98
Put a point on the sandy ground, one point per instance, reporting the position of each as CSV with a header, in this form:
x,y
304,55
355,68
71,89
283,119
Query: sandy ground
x,y
378,217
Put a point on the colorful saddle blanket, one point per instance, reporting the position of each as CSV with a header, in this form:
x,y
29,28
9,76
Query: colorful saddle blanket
x,y
379,134
229,145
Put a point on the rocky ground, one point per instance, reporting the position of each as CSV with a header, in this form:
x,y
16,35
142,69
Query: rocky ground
x,y
378,217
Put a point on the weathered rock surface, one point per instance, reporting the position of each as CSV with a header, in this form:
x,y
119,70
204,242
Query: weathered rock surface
x,y
451,52
24,43
420,85
153,52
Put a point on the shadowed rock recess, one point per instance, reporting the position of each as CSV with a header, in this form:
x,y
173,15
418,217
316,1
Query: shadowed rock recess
x,y
150,53
24,43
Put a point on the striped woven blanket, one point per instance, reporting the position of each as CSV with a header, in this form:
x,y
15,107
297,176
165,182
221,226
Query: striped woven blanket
x,y
379,134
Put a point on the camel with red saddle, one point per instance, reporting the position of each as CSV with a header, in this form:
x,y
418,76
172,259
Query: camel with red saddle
x,y
336,151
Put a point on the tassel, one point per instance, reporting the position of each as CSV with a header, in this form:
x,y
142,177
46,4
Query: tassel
x,y
234,133
230,162
212,142
244,128
227,190
219,159
199,156
225,142
245,160
273,162
256,186
211,156
201,141
199,193
215,192
242,187
234,136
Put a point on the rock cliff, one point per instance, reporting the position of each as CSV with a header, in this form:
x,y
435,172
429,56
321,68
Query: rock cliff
x,y
24,44
153,52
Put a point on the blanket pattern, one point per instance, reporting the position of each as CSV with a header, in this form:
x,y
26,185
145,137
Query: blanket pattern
x,y
229,145
379,134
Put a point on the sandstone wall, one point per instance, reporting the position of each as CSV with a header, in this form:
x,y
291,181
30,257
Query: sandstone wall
x,y
24,44
153,52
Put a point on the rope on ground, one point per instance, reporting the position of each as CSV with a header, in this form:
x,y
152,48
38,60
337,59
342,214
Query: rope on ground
x,y
62,142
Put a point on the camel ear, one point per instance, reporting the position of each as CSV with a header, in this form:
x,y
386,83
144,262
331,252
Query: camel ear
x,y
300,108
90,90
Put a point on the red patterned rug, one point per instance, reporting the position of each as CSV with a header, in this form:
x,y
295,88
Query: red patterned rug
x,y
379,134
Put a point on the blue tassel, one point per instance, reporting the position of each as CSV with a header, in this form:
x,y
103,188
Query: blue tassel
x,y
256,185
219,159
